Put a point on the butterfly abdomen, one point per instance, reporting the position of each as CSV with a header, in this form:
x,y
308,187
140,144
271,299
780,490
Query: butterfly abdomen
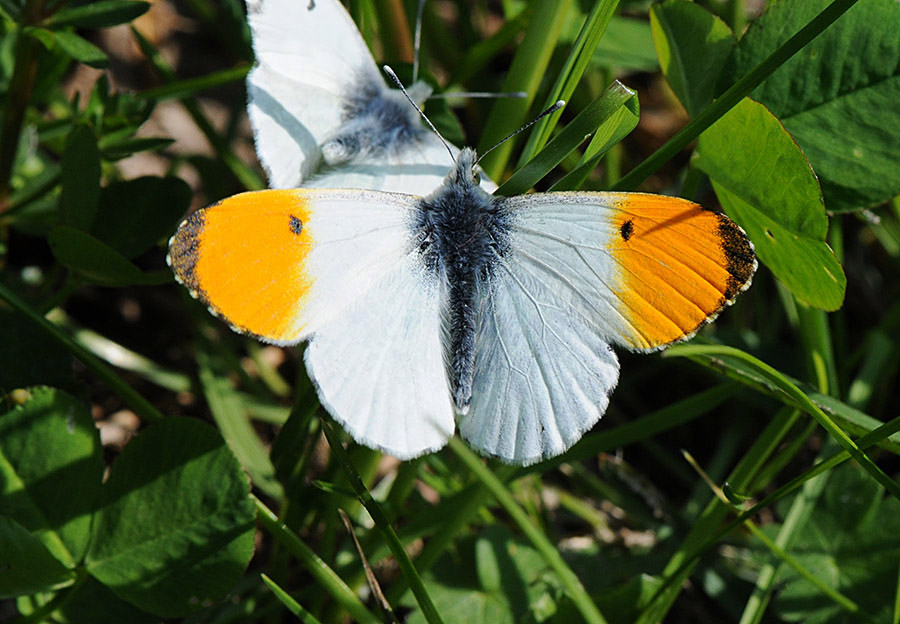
x,y
462,233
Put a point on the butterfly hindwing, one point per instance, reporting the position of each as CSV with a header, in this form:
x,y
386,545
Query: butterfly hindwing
x,y
379,365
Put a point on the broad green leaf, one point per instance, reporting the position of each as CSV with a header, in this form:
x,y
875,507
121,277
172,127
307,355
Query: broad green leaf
x,y
850,543
80,49
92,259
97,604
100,14
588,121
838,96
807,266
626,45
693,46
176,525
80,178
135,214
26,566
510,583
765,184
51,466
28,356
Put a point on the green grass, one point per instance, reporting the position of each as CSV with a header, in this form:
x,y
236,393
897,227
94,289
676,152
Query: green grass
x,y
749,475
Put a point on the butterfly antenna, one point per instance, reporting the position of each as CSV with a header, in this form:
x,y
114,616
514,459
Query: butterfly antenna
x,y
478,94
390,72
559,104
417,40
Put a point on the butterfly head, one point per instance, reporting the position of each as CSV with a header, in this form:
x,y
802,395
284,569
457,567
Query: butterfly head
x,y
465,169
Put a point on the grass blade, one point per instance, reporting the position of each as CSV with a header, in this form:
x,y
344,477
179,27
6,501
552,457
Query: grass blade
x,y
550,554
585,124
381,521
579,57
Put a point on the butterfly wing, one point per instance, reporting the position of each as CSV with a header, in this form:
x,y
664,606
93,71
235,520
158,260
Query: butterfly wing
x,y
338,267
307,58
584,271
321,113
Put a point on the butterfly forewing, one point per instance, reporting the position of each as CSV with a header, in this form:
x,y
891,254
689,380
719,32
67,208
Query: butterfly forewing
x,y
646,270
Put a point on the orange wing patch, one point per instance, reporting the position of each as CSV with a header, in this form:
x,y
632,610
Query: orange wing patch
x,y
245,258
681,264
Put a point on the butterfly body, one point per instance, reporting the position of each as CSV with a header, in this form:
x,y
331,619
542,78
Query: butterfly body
x,y
493,315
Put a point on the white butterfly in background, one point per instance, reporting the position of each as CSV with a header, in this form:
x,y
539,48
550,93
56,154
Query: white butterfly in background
x,y
321,113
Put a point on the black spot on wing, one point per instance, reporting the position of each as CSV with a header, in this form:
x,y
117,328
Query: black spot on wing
x,y
626,230
296,225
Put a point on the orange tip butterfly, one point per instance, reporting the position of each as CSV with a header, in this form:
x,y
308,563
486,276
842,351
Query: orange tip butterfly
x,y
459,309
321,113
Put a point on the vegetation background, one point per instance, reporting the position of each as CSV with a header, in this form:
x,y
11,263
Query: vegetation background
x,y
154,465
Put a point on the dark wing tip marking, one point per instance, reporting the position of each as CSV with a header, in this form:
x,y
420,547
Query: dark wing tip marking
x,y
296,225
184,251
739,255
627,230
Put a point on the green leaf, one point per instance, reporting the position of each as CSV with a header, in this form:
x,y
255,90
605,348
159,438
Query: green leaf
x,y
176,525
51,466
569,75
838,96
693,46
95,603
100,14
511,581
849,543
766,185
626,45
26,566
594,116
135,214
80,49
122,148
92,259
231,417
80,178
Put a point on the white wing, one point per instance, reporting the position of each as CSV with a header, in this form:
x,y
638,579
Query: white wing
x,y
316,82
340,268
542,373
307,59
379,367
584,271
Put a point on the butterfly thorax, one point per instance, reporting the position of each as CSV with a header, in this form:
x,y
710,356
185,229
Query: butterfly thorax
x,y
376,122
462,234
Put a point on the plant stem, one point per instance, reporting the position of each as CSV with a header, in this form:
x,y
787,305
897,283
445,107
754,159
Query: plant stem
x,y
20,87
